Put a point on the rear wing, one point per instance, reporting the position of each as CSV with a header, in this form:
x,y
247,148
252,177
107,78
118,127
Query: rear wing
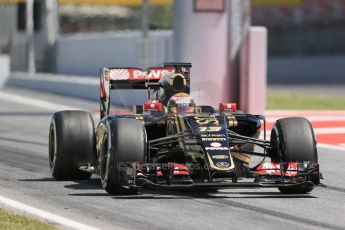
x,y
134,78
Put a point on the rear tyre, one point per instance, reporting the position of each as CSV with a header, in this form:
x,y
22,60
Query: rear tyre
x,y
71,144
293,139
126,143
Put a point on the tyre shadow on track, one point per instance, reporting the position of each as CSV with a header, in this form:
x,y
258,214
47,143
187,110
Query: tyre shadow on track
x,y
213,195
166,195
333,188
270,195
95,184
45,179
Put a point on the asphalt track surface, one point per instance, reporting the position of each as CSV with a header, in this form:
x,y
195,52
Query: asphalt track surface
x,y
25,177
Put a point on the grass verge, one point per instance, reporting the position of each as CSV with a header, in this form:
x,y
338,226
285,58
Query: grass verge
x,y
278,100
9,220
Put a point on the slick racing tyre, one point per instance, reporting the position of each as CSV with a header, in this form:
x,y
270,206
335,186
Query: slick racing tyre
x,y
71,144
126,143
293,139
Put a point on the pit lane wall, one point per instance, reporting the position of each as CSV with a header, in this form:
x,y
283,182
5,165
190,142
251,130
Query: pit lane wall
x,y
4,68
306,70
85,54
74,86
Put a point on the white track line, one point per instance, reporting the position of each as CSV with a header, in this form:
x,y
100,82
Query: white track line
x,y
26,208
60,79
34,102
304,112
332,147
338,130
45,215
311,118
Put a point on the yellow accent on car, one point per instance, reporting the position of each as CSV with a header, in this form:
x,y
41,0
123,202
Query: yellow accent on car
x,y
11,1
119,2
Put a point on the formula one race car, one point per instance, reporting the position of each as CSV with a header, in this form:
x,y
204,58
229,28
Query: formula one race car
x,y
169,142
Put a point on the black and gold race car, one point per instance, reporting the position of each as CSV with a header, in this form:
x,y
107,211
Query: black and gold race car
x,y
169,142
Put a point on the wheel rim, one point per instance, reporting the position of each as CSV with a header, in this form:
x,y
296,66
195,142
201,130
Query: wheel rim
x,y
52,152
104,161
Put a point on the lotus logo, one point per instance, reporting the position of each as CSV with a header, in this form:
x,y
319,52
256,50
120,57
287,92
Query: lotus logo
x,y
223,165
216,144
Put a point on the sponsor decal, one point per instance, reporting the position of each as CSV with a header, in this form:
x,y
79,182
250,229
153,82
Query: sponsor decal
x,y
213,139
182,99
119,74
213,135
153,106
139,74
270,168
216,144
182,103
223,165
217,148
227,107
210,129
220,157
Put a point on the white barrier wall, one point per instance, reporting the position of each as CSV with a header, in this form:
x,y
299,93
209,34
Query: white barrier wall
x,y
74,86
4,68
86,54
306,70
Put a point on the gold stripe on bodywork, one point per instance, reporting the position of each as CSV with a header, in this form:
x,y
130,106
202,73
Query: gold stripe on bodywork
x,y
180,128
242,157
232,121
183,125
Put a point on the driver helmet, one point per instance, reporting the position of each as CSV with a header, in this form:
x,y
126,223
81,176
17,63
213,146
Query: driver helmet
x,y
181,103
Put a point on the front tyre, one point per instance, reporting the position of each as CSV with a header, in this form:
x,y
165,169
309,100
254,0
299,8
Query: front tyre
x,y
293,139
126,142
71,144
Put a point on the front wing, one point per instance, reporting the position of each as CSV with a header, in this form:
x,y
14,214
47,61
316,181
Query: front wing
x,y
176,177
